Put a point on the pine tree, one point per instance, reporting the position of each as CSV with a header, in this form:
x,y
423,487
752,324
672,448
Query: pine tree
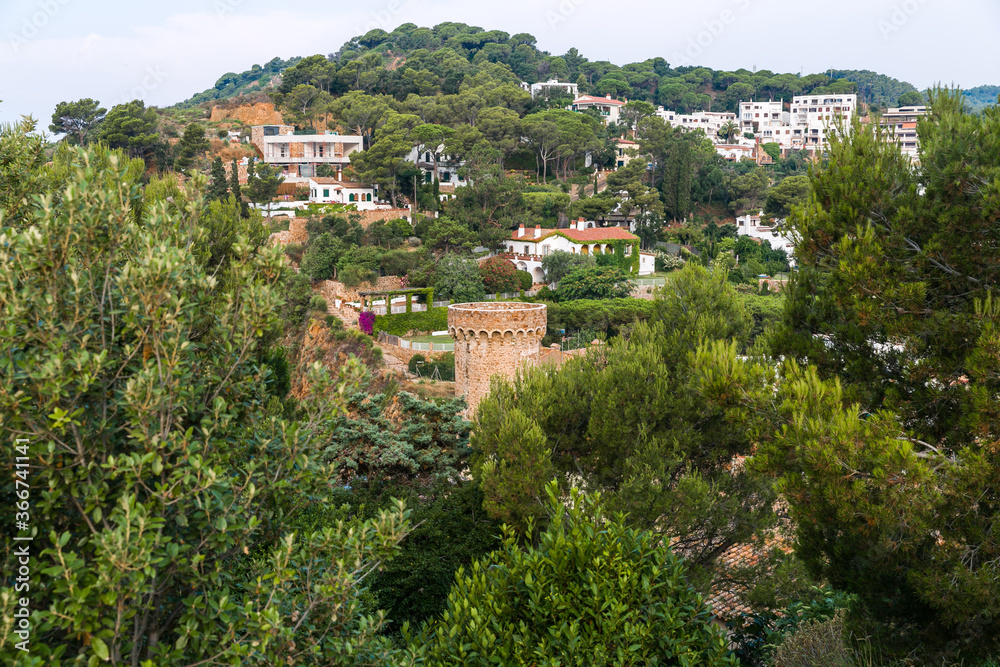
x,y
234,181
218,189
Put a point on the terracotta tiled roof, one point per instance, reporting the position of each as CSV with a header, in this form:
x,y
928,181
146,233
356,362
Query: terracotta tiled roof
x,y
628,142
593,235
590,99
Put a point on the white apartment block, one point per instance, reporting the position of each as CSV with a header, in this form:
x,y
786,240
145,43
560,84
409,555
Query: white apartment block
x,y
806,126
708,121
755,117
900,124
820,115
537,89
298,153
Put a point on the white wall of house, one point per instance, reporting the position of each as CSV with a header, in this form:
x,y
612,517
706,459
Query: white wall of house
x,y
568,88
531,246
448,166
330,191
609,108
756,227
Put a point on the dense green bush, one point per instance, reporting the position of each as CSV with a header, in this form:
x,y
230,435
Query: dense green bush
x,y
525,280
595,282
607,315
445,366
435,319
317,303
453,530
591,592
457,278
298,294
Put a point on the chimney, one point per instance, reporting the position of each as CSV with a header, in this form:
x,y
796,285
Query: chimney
x,y
340,172
538,231
520,231
572,225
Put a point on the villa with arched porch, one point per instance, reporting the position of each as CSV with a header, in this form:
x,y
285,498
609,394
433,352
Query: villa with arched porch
x,y
527,248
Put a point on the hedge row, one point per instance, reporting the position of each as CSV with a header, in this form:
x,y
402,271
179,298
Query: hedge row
x,y
600,315
435,319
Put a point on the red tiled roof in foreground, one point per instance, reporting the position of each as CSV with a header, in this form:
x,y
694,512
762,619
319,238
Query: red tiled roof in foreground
x,y
594,235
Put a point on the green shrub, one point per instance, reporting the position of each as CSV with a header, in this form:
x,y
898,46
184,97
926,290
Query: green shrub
x,y
334,323
816,643
298,295
435,319
525,280
444,365
598,282
591,592
415,361
317,303
452,531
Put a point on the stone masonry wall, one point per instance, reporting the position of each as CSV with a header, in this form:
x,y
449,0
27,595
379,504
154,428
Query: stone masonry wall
x,y
368,217
262,113
331,289
296,233
493,339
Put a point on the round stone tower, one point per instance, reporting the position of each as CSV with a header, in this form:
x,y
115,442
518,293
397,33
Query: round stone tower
x,y
493,338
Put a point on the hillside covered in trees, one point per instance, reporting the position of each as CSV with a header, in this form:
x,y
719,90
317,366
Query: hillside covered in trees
x,y
426,61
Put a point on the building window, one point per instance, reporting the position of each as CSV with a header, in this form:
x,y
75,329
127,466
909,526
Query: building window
x,y
369,196
282,150
546,250
350,197
326,192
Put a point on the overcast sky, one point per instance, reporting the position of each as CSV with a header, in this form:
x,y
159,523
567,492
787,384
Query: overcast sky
x,y
164,52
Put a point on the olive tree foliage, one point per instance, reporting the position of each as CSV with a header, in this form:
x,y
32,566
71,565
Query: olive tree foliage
x,y
21,178
593,591
163,480
886,444
626,420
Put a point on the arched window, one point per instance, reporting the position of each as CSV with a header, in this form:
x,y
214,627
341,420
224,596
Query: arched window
x,y
350,197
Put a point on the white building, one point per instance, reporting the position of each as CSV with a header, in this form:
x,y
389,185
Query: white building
x,y
708,121
335,191
735,152
807,126
447,165
625,151
755,117
298,155
818,116
570,89
900,124
527,248
756,228
609,108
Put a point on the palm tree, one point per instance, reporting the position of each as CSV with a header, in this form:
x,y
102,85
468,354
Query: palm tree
x,y
728,131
